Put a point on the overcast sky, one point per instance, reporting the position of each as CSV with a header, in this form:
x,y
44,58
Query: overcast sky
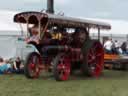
x,y
108,9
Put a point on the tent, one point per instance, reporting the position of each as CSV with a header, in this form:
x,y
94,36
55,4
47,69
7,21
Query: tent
x,y
10,46
7,26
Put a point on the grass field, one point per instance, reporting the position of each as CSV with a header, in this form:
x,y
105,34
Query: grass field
x,y
111,83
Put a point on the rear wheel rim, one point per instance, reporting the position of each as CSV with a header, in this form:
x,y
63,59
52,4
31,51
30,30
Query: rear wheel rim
x,y
95,59
63,68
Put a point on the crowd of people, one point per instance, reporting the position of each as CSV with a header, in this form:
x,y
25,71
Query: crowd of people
x,y
115,47
7,67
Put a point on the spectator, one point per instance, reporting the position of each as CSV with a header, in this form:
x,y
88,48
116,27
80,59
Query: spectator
x,y
124,48
5,67
108,46
1,60
116,47
1,63
17,66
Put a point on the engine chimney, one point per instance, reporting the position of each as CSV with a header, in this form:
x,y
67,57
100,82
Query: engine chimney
x,y
50,6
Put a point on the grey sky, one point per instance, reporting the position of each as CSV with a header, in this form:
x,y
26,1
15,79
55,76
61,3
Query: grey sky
x,y
108,9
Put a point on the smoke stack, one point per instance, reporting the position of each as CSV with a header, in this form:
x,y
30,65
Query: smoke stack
x,y
50,6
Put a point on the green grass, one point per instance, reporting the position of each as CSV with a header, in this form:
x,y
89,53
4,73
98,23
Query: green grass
x,y
111,83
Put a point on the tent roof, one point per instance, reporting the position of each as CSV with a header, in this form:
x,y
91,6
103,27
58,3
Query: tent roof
x,y
7,26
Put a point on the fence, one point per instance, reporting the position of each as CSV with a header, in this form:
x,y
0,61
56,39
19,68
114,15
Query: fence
x,y
120,37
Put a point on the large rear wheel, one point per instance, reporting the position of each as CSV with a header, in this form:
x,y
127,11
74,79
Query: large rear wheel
x,y
32,65
93,58
61,67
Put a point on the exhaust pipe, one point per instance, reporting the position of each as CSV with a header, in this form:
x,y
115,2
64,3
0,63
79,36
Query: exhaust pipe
x,y
50,6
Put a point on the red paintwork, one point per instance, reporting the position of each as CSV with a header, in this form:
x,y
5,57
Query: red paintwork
x,y
95,60
63,68
70,43
34,66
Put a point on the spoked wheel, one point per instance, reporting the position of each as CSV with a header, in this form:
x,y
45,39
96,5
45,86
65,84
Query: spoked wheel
x,y
61,67
93,59
32,67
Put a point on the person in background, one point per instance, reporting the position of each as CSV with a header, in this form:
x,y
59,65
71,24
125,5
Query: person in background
x,y
1,63
108,46
117,49
5,67
17,66
124,48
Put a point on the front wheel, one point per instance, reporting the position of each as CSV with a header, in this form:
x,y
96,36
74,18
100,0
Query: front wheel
x,y
61,67
32,65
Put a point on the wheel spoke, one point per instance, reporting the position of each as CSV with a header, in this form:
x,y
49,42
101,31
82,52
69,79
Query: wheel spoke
x,y
90,55
92,51
99,54
91,60
37,71
96,45
98,66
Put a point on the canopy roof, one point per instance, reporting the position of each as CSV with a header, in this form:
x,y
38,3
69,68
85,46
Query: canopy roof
x,y
34,18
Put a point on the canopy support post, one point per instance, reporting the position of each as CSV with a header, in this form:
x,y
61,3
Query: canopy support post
x,y
88,30
39,28
98,33
27,28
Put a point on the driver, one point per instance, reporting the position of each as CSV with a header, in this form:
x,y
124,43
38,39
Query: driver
x,y
34,36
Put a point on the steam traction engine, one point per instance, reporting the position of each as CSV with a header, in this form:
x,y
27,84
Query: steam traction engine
x,y
63,45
